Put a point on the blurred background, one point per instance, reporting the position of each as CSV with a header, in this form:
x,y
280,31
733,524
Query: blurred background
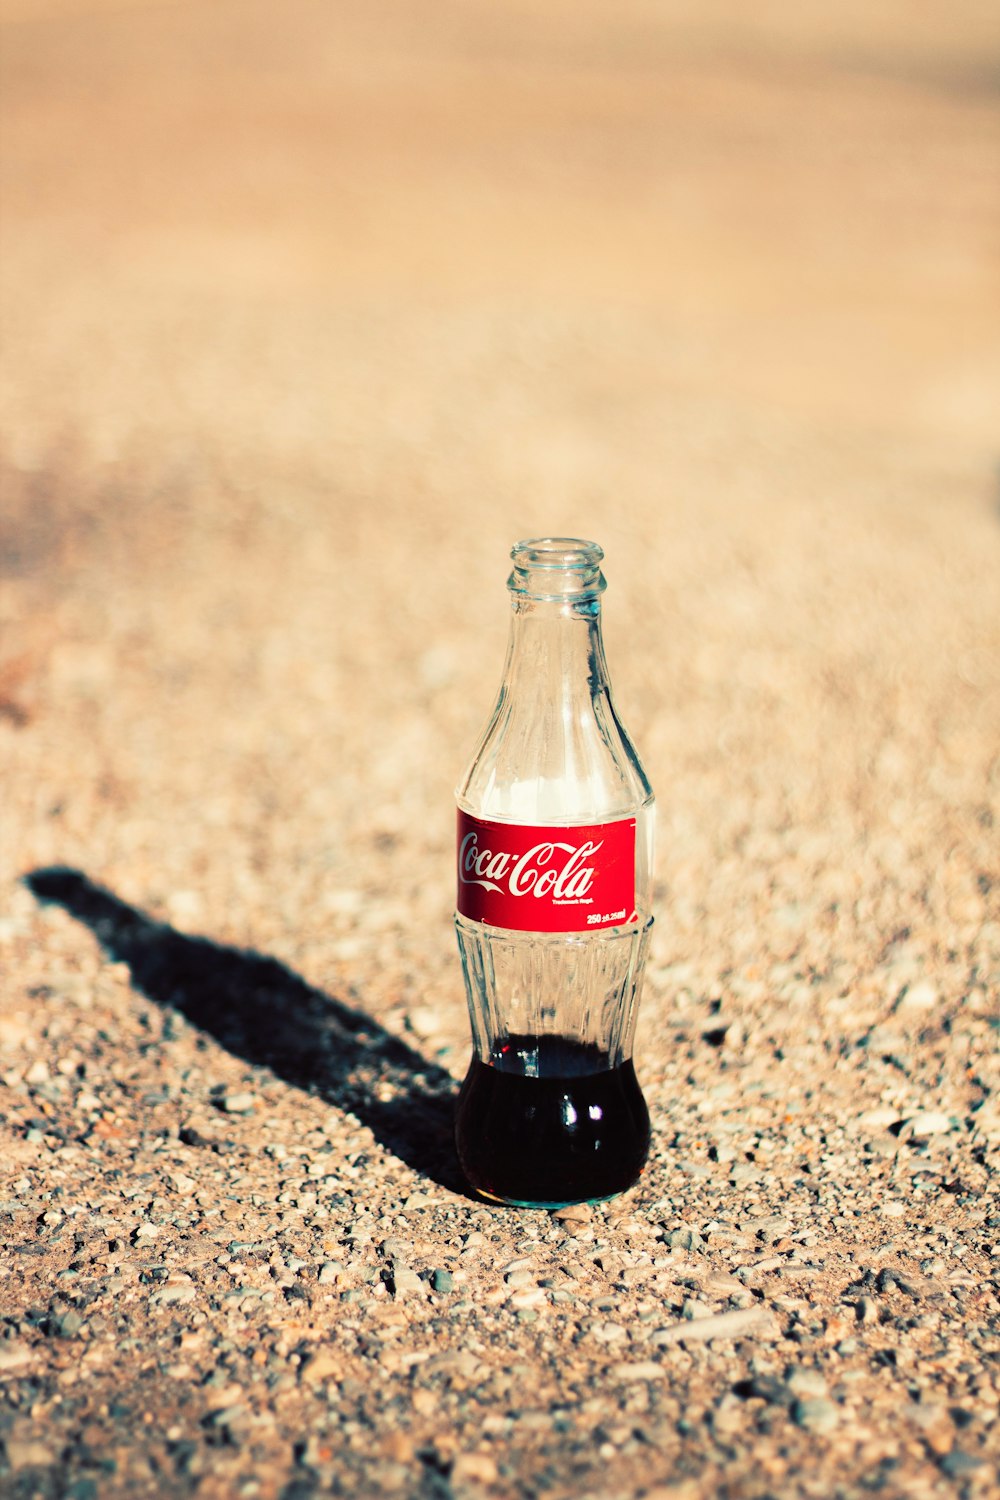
x,y
311,310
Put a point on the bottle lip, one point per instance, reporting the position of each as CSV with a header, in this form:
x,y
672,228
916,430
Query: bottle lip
x,y
556,567
556,552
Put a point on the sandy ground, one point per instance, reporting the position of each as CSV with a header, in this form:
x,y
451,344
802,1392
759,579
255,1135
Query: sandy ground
x,y
309,312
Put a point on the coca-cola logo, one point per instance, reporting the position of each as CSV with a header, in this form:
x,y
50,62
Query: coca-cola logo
x,y
530,877
550,868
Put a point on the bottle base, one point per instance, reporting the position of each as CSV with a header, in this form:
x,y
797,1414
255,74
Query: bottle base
x,y
538,1203
574,1130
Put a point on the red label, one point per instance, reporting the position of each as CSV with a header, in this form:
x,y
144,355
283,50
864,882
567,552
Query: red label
x,y
532,878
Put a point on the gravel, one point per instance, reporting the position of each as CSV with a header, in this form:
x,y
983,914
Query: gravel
x,y
308,316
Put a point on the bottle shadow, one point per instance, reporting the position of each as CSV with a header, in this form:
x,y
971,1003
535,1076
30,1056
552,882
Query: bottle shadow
x,y
263,1012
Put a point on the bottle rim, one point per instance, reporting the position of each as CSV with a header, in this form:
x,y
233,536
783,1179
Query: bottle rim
x,y
563,568
567,552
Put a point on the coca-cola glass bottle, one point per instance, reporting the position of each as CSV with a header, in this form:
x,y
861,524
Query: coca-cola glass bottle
x,y
555,853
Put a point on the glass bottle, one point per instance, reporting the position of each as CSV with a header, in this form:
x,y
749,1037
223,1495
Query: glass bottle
x,y
555,854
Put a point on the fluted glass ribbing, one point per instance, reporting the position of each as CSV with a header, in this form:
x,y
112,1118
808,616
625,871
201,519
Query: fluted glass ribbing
x,y
579,985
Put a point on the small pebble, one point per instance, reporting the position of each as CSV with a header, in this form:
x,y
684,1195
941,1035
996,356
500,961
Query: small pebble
x,y
684,1239
519,1278
770,1389
403,1282
816,1414
958,1463
473,1468
926,1123
325,1364
69,1325
29,1453
574,1213
14,1356
238,1104
920,996
805,1383
640,1370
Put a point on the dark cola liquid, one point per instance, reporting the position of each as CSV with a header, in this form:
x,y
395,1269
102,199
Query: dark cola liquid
x,y
547,1122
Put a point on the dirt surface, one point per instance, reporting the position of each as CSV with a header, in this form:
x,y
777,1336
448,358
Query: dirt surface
x,y
310,311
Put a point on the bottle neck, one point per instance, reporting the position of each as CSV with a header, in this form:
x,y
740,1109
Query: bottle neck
x,y
556,650
554,750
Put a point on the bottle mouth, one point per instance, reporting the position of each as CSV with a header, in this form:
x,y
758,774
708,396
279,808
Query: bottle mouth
x,y
556,567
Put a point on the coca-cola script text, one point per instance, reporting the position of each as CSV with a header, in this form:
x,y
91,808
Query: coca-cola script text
x,y
546,879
